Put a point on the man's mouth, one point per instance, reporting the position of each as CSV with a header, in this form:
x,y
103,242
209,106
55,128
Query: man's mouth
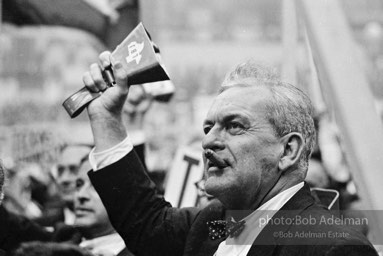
x,y
67,190
82,210
214,161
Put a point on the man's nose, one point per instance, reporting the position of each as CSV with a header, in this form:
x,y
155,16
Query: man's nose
x,y
213,139
67,176
82,199
82,194
66,183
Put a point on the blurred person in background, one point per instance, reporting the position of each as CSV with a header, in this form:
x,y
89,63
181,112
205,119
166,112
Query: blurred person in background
x,y
92,220
18,189
133,116
259,135
1,182
65,176
335,161
15,229
317,176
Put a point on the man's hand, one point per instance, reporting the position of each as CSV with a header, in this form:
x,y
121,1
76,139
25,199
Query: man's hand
x,y
112,100
105,111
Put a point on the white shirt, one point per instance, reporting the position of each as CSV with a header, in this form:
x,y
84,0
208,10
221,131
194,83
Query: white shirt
x,y
238,246
107,157
69,216
110,244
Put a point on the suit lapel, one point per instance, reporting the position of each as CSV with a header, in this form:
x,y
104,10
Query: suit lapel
x,y
267,241
198,241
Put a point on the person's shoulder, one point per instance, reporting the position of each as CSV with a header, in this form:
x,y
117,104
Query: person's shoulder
x,y
333,230
345,249
328,250
317,231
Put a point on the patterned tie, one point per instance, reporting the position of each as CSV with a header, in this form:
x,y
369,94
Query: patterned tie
x,y
224,228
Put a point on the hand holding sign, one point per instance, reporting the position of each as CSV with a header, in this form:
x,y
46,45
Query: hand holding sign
x,y
138,57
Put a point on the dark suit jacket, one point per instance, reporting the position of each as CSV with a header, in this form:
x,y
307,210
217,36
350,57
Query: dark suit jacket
x,y
150,226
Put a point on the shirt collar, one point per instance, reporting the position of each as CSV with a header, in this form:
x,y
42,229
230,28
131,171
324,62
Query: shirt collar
x,y
112,243
241,244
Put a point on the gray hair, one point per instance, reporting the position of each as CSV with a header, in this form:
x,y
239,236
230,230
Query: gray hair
x,y
289,110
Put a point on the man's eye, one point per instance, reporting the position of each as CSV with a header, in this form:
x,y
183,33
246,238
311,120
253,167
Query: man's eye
x,y
79,183
234,127
73,168
60,170
206,129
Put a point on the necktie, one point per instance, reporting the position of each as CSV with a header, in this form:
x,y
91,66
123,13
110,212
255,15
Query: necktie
x,y
224,228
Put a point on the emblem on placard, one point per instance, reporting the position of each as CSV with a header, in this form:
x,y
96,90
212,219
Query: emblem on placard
x,y
135,50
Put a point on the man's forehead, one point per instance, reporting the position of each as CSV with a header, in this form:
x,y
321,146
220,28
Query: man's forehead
x,y
244,97
246,102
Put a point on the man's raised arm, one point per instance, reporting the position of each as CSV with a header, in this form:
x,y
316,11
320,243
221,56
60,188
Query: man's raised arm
x,y
147,223
105,111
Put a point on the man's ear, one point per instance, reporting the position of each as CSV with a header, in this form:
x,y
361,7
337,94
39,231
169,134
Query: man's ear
x,y
293,146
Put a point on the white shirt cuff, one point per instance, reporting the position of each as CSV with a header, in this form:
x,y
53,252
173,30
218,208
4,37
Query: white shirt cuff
x,y
109,156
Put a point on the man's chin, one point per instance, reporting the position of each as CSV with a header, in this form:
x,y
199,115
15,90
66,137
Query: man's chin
x,y
83,222
213,186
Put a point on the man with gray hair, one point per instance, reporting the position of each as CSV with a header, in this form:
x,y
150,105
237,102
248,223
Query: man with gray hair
x,y
259,134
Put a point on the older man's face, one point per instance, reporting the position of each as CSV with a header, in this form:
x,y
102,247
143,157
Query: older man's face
x,y
242,164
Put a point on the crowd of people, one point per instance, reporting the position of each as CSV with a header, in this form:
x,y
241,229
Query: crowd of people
x,y
260,159
61,214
